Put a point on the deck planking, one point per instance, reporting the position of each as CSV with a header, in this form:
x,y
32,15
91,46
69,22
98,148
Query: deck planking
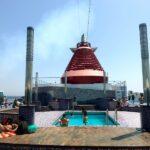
x,y
82,136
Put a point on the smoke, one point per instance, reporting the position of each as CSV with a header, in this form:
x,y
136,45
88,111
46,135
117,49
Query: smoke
x,y
57,32
54,34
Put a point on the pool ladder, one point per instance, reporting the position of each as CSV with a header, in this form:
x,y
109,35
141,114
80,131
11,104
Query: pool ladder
x,y
107,113
116,116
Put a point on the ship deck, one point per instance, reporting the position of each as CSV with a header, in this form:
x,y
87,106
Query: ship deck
x,y
79,138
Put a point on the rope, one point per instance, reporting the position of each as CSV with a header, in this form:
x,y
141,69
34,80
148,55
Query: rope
x,y
88,22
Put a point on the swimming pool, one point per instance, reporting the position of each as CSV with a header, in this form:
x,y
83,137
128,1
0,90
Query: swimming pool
x,y
94,119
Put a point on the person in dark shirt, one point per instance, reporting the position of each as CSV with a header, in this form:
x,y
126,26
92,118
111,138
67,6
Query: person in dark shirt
x,y
133,98
85,117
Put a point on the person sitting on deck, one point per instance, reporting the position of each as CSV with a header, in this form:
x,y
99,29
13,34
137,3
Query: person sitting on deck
x,y
118,104
16,104
7,128
64,121
85,117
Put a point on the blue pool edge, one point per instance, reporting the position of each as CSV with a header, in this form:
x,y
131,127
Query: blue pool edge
x,y
115,123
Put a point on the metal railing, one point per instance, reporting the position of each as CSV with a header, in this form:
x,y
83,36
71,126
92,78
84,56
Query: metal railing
x,y
56,81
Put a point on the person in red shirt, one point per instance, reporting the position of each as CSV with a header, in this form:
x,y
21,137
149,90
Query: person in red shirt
x,y
64,121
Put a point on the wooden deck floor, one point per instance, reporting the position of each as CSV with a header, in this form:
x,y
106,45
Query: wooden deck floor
x,y
79,137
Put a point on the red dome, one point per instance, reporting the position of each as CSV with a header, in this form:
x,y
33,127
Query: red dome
x,y
84,67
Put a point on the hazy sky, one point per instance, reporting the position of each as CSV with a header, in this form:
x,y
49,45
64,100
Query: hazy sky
x,y
58,24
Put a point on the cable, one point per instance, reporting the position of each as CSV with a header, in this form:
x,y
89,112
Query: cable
x,y
88,22
78,15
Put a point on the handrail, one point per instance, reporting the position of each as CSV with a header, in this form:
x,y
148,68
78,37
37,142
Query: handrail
x,y
116,116
107,113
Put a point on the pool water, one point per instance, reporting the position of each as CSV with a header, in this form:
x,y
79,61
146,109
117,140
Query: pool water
x,y
94,119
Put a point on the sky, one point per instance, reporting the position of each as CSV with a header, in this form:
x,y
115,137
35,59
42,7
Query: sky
x,y
58,25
